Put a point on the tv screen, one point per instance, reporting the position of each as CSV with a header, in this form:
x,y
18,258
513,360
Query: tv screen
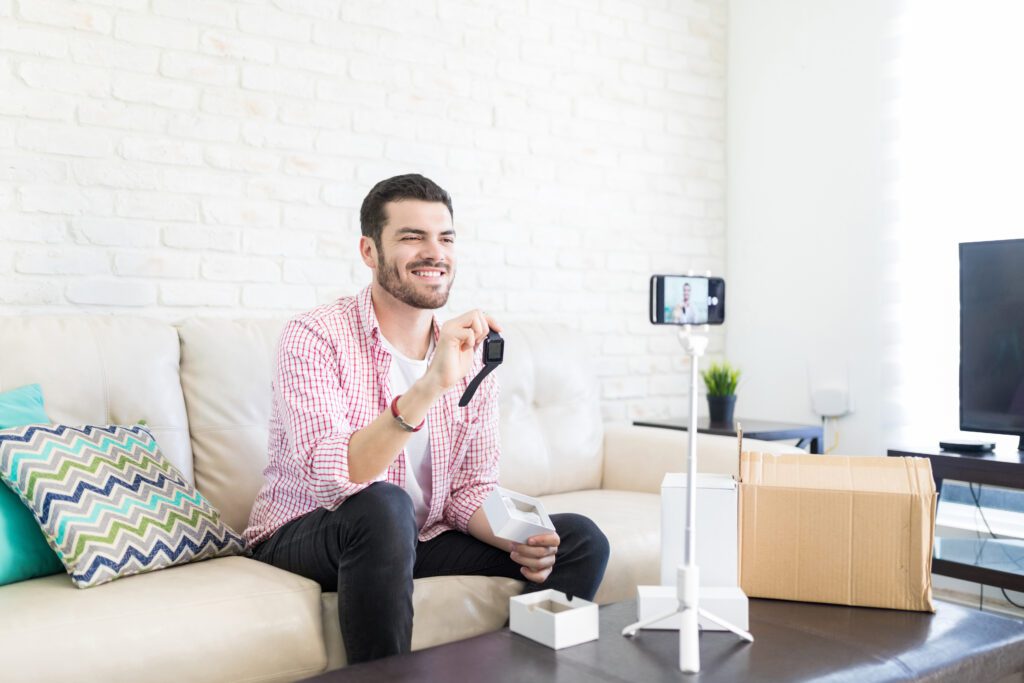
x,y
992,337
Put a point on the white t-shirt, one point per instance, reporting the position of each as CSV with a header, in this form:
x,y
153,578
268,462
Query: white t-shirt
x,y
418,475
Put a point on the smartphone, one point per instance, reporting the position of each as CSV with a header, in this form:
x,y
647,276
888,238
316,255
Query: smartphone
x,y
687,300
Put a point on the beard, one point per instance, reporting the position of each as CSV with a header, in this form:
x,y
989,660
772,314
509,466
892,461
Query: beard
x,y
390,280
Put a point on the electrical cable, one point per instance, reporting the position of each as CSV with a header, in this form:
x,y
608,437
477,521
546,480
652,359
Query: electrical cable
x,y
981,511
827,431
1009,600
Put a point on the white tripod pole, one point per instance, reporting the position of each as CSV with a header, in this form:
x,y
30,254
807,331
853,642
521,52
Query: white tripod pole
x,y
688,577
688,580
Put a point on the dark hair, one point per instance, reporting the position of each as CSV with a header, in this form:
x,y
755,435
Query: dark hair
x,y
409,186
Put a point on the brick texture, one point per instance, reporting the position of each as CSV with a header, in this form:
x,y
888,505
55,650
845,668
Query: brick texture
x,y
207,157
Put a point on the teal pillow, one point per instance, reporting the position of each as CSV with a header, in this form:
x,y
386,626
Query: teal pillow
x,y
24,552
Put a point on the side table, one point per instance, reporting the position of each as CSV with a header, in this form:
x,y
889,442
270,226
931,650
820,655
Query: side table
x,y
993,562
806,435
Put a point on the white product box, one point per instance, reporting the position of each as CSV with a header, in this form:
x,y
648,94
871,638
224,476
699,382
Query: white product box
x,y
728,603
717,529
515,516
552,619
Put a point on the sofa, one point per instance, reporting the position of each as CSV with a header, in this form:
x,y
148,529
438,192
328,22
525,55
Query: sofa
x,y
203,389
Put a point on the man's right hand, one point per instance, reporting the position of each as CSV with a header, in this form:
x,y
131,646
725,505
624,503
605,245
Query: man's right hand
x,y
373,448
457,342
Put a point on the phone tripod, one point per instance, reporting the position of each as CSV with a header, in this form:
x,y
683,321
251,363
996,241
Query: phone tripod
x,y
688,577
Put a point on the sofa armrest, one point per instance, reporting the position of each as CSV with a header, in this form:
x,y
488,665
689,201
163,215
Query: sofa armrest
x,y
637,458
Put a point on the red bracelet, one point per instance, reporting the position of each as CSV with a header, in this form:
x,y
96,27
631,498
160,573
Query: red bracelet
x,y
401,420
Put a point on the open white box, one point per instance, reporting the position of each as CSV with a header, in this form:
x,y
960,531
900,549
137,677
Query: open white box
x,y
516,517
551,618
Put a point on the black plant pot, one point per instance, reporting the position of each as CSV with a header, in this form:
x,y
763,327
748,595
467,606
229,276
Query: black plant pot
x,y
721,409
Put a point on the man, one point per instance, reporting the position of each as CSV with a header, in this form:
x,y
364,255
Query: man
x,y
375,475
683,311
687,312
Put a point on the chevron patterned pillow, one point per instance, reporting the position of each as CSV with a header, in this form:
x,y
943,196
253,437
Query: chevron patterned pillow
x,y
108,502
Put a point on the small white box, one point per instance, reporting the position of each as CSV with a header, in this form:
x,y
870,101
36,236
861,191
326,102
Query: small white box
x,y
728,603
717,529
552,619
516,517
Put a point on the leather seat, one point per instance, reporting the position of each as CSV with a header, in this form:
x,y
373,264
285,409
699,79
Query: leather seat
x,y
230,618
445,609
632,522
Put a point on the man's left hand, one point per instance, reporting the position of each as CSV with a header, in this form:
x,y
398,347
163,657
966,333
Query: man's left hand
x,y
537,556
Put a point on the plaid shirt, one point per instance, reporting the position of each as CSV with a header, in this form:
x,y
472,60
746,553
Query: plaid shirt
x,y
330,380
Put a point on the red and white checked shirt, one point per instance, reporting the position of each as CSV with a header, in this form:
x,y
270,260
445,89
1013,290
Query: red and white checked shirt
x,y
331,380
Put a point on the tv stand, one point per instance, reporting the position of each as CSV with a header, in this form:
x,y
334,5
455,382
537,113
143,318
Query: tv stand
x,y
997,468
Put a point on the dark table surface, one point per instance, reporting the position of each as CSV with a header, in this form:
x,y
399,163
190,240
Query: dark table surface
x,y
1002,467
767,430
794,642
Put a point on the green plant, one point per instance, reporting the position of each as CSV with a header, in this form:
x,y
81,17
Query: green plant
x,y
721,379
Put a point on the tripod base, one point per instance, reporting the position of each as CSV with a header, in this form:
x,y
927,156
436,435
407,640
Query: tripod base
x,y
688,611
729,602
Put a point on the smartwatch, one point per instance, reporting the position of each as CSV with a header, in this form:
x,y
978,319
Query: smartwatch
x,y
494,353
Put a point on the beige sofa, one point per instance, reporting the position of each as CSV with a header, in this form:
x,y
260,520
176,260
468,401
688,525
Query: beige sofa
x,y
204,389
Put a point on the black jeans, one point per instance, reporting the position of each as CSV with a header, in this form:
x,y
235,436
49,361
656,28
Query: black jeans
x,y
367,551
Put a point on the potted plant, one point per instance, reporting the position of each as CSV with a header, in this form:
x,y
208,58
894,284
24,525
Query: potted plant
x,y
721,380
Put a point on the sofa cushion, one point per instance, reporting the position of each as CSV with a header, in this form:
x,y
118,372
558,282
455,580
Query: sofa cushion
x,y
226,368
108,502
632,523
97,369
24,552
227,619
445,609
551,425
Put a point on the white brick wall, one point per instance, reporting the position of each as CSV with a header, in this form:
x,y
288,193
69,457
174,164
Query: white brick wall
x,y
177,157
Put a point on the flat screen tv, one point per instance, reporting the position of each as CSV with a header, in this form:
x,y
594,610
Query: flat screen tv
x,y
992,337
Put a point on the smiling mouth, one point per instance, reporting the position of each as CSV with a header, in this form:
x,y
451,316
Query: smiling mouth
x,y
432,274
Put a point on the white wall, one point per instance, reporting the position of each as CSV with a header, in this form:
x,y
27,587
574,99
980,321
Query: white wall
x,y
811,189
177,157
805,207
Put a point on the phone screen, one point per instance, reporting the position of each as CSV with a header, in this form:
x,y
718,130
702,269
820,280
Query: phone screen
x,y
687,300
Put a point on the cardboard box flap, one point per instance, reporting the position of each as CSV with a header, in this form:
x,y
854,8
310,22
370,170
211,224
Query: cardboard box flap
x,y
877,474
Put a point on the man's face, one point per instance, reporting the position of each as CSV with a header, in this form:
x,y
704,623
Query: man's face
x,y
416,260
686,293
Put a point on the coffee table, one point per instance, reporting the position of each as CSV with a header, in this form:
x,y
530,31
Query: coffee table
x,y
794,642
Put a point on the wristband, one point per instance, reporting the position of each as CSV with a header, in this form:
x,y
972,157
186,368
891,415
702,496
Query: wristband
x,y
401,420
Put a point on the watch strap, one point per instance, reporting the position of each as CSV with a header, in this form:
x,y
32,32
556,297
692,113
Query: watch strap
x,y
467,395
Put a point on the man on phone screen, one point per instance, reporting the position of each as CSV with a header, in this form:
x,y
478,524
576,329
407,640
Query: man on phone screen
x,y
375,475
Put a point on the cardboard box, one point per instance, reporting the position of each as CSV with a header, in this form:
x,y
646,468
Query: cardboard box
x,y
551,619
516,517
717,528
837,529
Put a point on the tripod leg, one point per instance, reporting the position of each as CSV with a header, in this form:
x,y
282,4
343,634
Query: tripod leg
x,y
745,635
632,629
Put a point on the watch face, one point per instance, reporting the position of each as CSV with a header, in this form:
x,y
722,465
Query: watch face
x,y
494,350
